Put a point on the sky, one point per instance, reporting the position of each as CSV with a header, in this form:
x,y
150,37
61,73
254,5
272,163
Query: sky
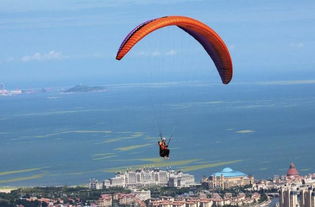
x,y
66,42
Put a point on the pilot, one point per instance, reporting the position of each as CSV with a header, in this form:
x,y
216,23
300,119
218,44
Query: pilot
x,y
164,151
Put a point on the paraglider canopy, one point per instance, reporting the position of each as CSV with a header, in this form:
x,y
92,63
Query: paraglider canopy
x,y
208,38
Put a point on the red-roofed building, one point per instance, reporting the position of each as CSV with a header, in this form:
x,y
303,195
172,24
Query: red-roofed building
x,y
106,200
292,171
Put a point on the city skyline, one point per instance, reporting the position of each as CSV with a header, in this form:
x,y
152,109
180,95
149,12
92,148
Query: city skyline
x,y
70,111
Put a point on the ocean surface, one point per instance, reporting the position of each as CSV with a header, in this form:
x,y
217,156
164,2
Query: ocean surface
x,y
66,139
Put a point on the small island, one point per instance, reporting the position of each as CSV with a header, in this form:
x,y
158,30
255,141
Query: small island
x,y
85,89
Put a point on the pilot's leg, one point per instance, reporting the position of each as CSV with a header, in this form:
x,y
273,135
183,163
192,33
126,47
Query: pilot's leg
x,y
167,152
161,153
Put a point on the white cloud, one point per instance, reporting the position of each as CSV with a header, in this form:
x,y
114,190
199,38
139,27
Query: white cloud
x,y
51,55
171,52
155,53
10,59
290,82
143,53
245,131
297,44
54,55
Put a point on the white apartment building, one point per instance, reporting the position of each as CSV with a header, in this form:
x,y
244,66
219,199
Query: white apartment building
x,y
146,177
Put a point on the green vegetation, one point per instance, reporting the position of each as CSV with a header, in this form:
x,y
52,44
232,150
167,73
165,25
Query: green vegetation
x,y
132,147
235,190
19,171
263,198
75,132
157,191
210,165
104,157
22,178
118,139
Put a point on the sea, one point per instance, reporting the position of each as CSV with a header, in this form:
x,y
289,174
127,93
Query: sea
x,y
55,138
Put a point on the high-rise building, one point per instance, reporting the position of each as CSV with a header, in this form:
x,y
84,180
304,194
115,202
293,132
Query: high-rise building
x,y
180,179
293,196
95,184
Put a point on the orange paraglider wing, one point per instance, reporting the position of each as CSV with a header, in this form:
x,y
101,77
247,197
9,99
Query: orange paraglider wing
x,y
207,37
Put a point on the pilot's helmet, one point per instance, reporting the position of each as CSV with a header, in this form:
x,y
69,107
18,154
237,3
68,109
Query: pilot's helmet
x,y
163,139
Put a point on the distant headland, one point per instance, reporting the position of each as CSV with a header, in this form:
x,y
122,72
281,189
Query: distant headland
x,y
85,89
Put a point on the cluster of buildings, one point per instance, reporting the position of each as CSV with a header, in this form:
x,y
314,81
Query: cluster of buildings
x,y
5,92
135,179
296,190
136,198
203,200
53,202
293,190
143,198
226,178
214,199
292,178
145,177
